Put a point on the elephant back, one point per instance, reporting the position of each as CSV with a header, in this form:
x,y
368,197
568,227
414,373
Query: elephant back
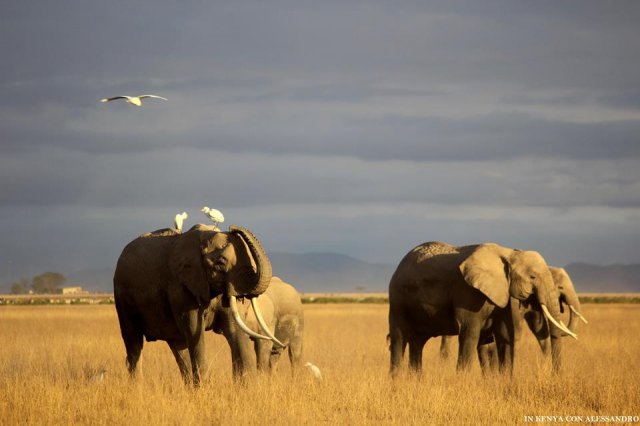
x,y
143,262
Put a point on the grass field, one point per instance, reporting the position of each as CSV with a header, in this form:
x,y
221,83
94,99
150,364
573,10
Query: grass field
x,y
49,355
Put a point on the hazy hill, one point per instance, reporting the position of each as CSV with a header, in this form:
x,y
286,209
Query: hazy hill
x,y
331,272
605,279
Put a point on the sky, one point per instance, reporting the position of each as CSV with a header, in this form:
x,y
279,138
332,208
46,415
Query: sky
x,y
357,127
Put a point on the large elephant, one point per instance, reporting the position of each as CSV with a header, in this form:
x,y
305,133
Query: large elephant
x,y
280,307
440,290
537,323
165,282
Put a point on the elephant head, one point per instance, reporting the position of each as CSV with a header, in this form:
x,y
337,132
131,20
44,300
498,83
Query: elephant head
x,y
500,273
568,296
210,263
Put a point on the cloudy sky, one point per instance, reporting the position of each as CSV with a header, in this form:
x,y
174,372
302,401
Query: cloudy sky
x,y
358,127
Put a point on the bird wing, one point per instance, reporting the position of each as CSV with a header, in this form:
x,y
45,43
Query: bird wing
x,y
114,98
152,96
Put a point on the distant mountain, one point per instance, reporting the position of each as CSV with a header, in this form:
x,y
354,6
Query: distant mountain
x,y
589,278
331,272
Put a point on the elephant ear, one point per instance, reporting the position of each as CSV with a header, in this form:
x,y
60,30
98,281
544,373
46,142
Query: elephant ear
x,y
187,265
486,270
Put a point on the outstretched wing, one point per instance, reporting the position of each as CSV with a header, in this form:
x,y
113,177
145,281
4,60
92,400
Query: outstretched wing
x,y
152,96
114,98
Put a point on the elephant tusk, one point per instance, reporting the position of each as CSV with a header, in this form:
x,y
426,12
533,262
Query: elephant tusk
x,y
560,325
263,325
574,310
242,325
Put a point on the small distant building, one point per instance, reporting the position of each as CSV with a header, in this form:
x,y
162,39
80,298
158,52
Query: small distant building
x,y
72,290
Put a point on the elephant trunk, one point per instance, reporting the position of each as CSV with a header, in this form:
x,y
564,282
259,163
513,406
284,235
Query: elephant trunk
x,y
550,304
573,318
259,280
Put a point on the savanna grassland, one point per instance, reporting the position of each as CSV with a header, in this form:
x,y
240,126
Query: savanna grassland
x,y
49,357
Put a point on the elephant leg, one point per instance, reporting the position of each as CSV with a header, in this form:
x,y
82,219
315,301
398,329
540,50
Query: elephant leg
x,y
505,339
236,361
538,326
397,340
548,343
133,345
192,324
181,354
132,336
444,347
263,349
468,345
242,362
416,346
274,357
295,353
397,346
488,357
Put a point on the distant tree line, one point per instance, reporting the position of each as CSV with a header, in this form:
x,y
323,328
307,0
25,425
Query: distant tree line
x,y
45,283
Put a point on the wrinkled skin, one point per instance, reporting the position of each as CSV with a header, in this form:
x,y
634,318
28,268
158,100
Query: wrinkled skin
x,y
164,283
281,309
440,290
536,322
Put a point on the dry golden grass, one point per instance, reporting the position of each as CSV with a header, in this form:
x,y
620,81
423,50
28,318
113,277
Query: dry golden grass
x,y
49,354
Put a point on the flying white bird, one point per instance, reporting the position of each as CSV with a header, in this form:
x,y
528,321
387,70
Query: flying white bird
x,y
179,220
314,370
215,215
133,100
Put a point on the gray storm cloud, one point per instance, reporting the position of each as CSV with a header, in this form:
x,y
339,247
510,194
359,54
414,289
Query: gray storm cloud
x,y
349,123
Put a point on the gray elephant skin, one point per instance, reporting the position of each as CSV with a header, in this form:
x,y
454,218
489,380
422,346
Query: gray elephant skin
x,y
165,281
439,289
281,308
535,320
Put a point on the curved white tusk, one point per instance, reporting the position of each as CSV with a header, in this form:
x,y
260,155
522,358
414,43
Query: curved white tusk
x,y
560,324
584,320
263,325
242,325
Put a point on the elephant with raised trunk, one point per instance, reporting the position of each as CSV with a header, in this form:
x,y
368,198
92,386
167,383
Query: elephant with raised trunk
x,y
165,282
439,290
537,323
280,309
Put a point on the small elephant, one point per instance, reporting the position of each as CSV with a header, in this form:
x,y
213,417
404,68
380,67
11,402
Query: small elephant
x,y
535,321
439,290
280,307
165,281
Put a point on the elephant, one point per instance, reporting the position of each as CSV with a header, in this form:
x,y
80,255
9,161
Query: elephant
x,y
165,282
280,307
535,321
439,290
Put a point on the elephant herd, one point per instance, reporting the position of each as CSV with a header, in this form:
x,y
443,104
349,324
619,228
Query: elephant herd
x,y
174,286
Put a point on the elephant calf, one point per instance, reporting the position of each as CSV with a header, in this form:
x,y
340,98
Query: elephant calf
x,y
281,310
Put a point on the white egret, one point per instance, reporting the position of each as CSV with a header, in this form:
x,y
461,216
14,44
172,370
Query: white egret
x,y
215,215
314,370
179,220
133,100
